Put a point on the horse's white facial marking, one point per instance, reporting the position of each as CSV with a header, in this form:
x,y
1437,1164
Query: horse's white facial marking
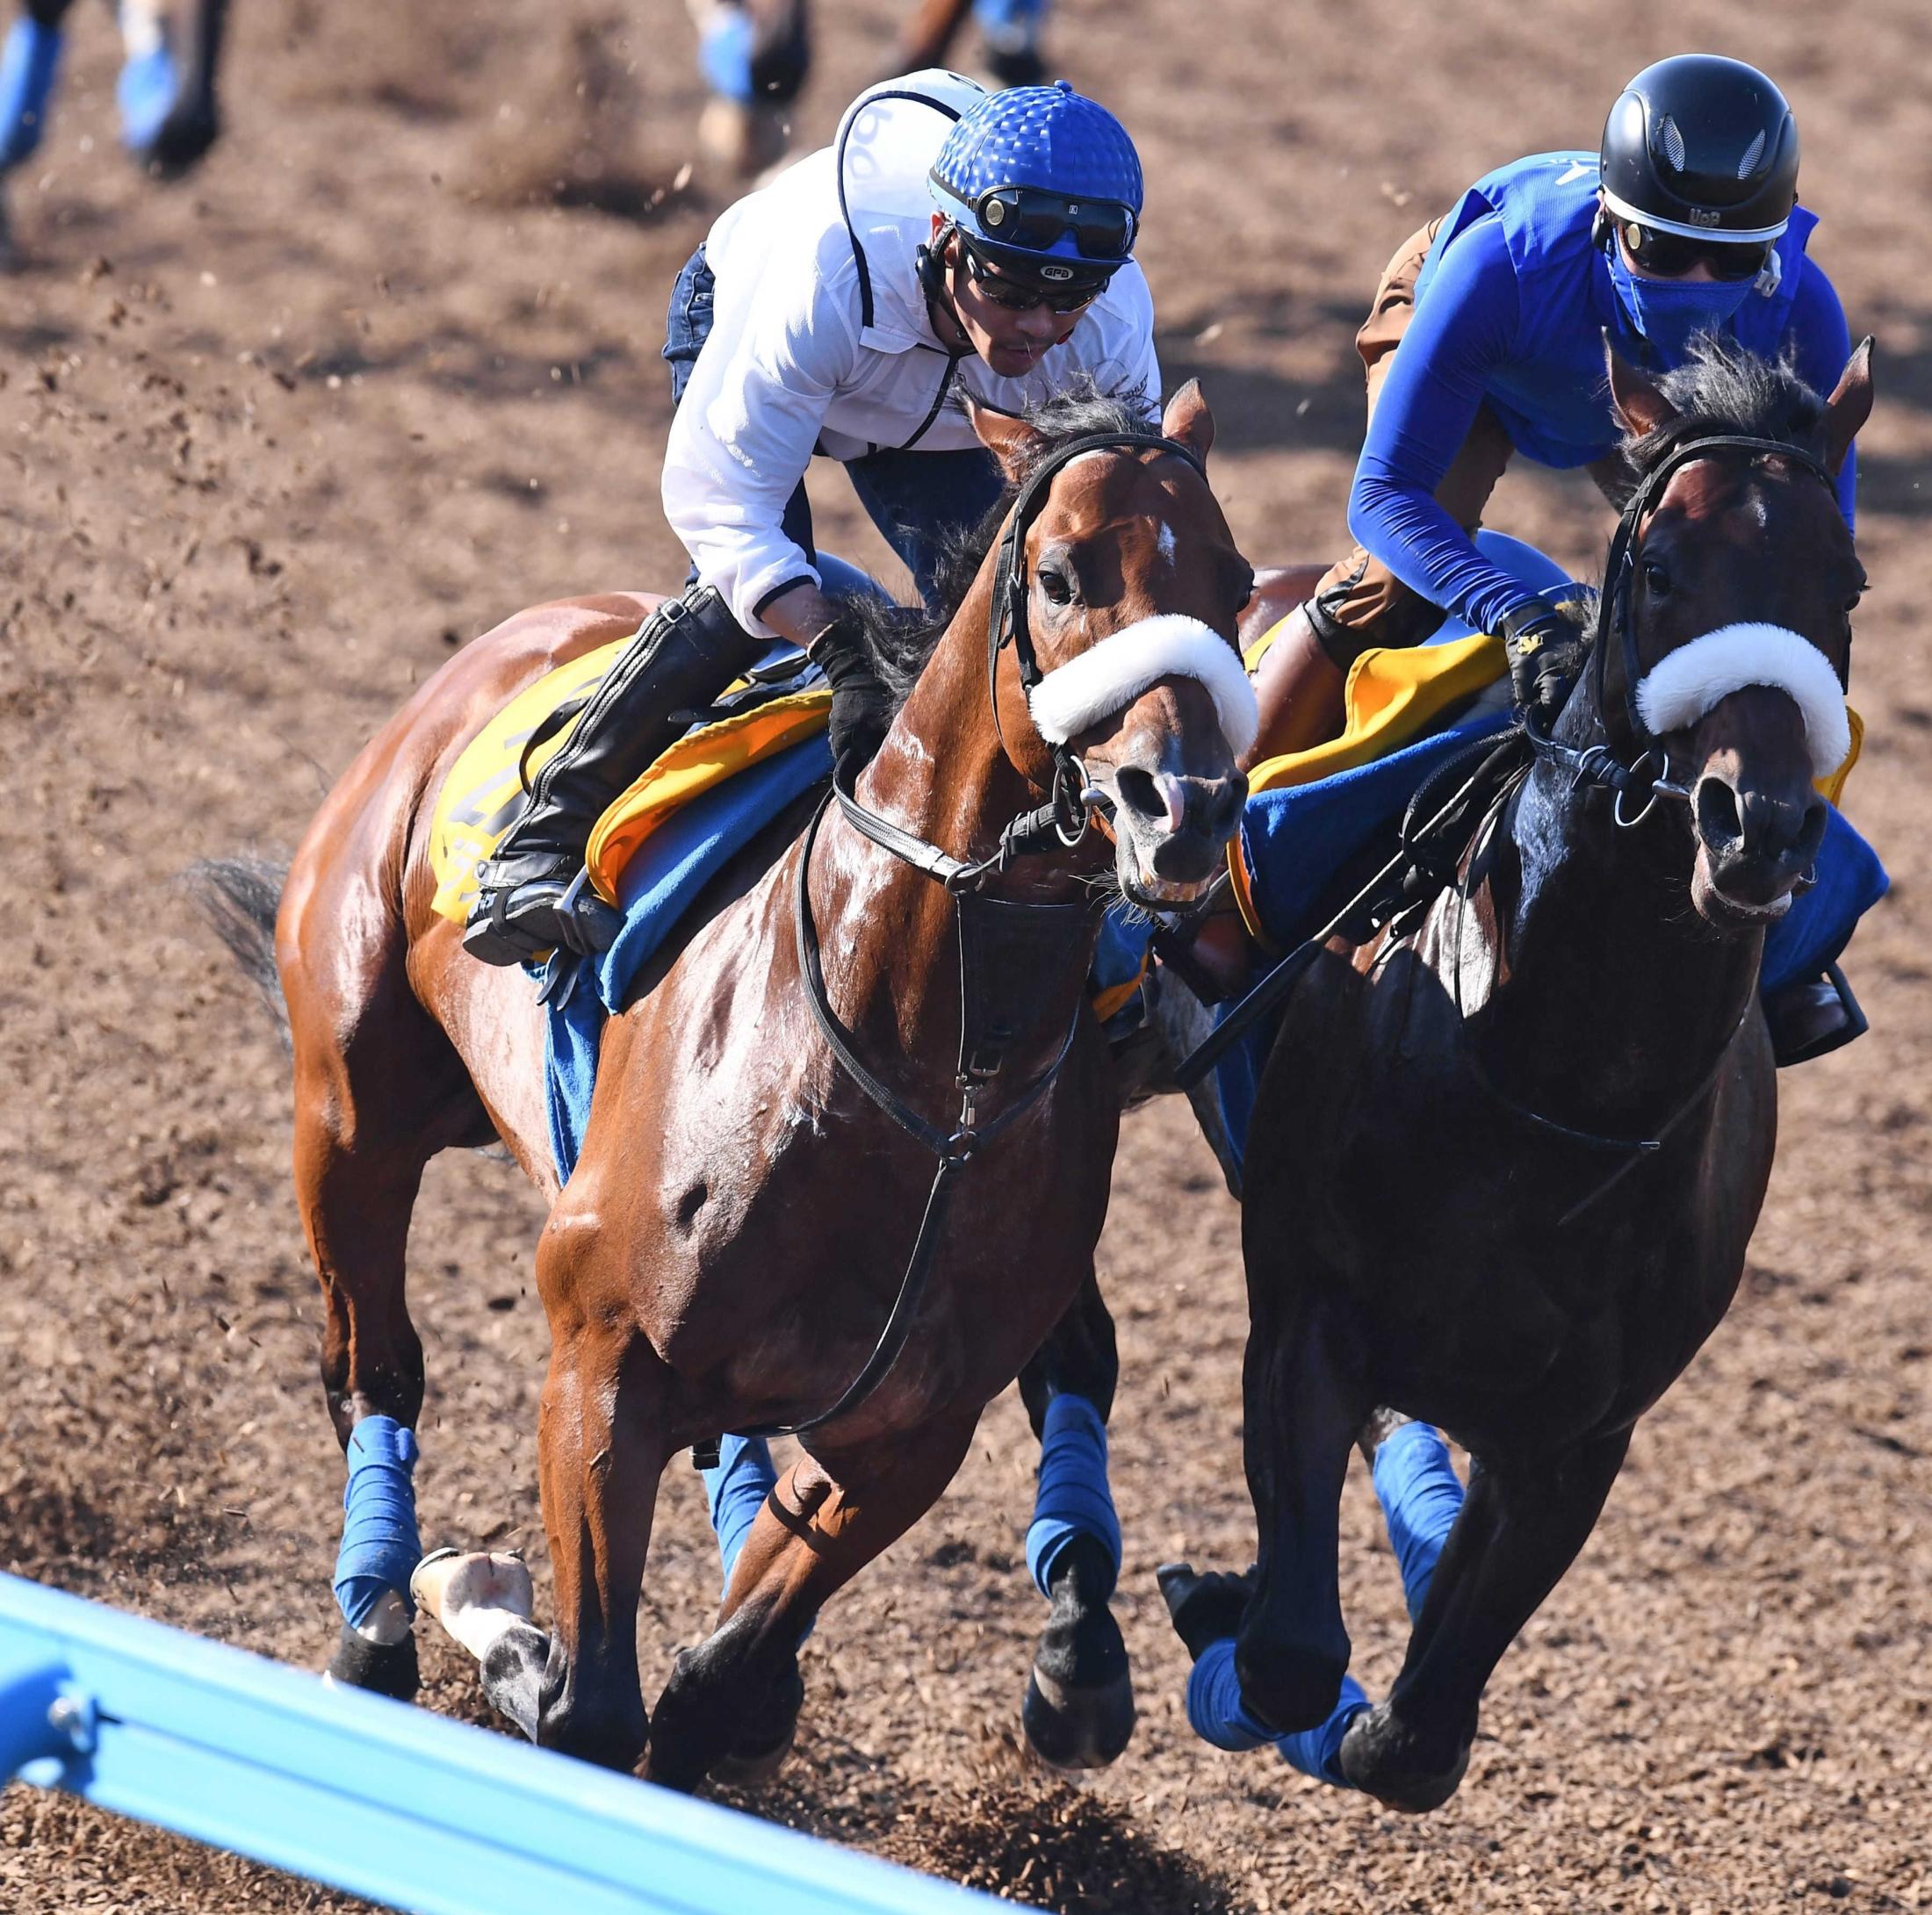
x,y
1166,544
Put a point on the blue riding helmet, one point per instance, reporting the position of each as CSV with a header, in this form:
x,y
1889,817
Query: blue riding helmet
x,y
1043,184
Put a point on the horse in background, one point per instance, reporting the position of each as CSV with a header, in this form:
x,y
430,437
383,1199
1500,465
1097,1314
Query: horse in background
x,y
1506,1156
166,92
723,1262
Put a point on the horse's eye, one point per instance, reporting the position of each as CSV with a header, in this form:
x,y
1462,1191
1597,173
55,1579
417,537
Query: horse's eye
x,y
1055,585
1656,577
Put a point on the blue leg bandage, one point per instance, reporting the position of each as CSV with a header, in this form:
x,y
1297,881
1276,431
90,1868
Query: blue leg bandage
x,y
1009,20
149,82
725,51
380,1547
29,61
736,1491
1216,1715
1420,1495
1073,1499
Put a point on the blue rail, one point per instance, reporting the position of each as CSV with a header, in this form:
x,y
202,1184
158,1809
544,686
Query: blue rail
x,y
382,1800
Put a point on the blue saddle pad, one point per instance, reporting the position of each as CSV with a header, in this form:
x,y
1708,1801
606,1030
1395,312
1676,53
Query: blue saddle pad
x,y
658,885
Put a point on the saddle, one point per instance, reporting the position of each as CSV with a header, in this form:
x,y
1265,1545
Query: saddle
x,y
489,784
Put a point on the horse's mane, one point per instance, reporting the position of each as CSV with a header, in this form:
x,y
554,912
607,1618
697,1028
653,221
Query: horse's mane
x,y
902,638
1725,388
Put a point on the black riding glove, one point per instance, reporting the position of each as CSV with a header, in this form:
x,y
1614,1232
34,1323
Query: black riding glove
x,y
861,706
1543,644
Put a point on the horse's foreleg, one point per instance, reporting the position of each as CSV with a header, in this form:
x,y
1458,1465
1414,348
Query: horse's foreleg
x,y
1520,1529
1079,1708
166,87
601,1449
355,1198
736,1696
1303,1407
30,59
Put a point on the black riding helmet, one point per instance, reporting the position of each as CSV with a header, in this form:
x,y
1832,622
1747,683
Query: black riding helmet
x,y
1704,148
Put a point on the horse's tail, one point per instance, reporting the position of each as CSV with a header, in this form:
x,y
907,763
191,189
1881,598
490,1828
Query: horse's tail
x,y
240,897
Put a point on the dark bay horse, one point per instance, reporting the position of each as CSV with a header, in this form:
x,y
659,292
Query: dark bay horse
x,y
742,1212
1506,1158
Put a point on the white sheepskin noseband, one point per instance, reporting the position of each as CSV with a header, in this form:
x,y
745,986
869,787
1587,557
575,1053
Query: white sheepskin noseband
x,y
1682,688
1109,676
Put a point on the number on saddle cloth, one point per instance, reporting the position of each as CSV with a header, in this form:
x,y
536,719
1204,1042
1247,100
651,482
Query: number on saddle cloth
x,y
1420,1495
380,1546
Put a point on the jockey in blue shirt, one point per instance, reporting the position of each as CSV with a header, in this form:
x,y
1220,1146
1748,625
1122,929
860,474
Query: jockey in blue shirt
x,y
1486,340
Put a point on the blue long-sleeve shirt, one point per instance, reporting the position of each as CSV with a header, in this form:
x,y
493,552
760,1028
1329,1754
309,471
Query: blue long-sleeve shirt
x,y
1511,312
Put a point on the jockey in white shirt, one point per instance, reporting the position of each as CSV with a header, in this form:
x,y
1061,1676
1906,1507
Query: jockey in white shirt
x,y
948,241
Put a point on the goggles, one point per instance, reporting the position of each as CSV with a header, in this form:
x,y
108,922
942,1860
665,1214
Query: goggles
x,y
1037,221
1669,256
1016,297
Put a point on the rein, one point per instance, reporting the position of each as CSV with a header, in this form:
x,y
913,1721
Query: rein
x,y
984,922
1413,876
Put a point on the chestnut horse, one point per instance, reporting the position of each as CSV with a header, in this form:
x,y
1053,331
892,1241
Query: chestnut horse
x,y
1506,1158
746,1202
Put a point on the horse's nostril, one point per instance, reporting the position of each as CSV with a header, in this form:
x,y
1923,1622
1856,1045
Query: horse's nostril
x,y
1719,823
1226,809
1140,794
1811,834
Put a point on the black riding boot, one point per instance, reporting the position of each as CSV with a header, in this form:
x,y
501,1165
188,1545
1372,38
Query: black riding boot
x,y
1813,1017
528,897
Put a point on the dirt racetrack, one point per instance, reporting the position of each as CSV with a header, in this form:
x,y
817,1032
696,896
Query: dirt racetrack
x,y
277,439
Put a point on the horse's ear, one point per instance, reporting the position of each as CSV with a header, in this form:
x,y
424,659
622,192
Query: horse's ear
x,y
1188,422
1849,405
1640,404
1009,438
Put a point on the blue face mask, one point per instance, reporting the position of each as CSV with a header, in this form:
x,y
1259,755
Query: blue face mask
x,y
1668,312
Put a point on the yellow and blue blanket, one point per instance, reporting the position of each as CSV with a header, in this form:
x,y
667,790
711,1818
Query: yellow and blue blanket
x,y
713,791
1409,712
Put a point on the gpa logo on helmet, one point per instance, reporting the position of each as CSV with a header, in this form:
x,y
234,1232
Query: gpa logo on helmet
x,y
1055,273
1701,216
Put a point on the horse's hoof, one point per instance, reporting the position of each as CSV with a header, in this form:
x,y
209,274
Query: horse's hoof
x,y
753,1768
1078,1728
1380,1757
476,1596
1287,1687
765,1737
1205,1606
383,1668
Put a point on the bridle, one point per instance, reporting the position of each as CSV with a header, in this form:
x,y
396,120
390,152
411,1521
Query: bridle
x,y
1642,773
985,925
1644,777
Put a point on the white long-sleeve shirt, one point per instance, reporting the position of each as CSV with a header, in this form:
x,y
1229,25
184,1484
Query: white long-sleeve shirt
x,y
822,341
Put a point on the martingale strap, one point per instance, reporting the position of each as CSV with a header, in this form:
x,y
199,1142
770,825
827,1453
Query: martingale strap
x,y
987,1029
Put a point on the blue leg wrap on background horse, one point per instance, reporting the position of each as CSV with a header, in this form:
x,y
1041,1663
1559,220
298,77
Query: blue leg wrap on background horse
x,y
1002,20
380,1547
1420,1495
725,51
736,1491
29,61
1073,1499
149,82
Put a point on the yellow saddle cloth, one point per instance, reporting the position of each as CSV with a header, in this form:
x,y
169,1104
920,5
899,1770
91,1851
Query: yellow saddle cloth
x,y
1391,699
484,792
